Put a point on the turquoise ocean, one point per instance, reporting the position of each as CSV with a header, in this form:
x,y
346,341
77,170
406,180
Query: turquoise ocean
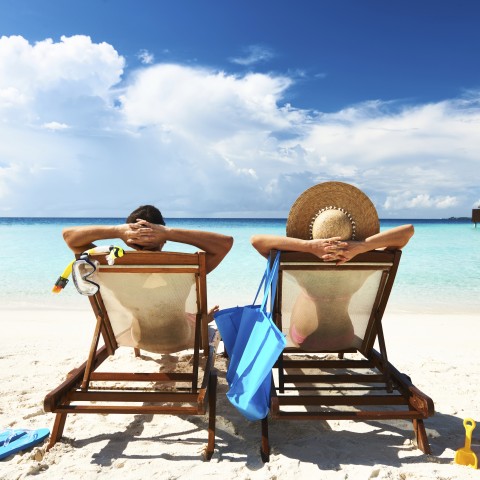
x,y
439,270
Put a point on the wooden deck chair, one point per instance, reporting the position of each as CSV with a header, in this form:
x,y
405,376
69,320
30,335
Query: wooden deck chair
x,y
155,302
336,373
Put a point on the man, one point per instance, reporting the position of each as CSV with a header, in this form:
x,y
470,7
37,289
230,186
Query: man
x,y
145,229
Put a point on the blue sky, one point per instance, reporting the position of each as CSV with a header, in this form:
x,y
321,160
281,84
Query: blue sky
x,y
233,108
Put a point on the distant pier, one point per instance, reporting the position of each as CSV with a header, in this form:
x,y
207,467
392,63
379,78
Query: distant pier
x,y
476,216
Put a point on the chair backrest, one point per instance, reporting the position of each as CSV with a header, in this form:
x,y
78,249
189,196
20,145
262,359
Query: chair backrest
x,y
324,307
154,301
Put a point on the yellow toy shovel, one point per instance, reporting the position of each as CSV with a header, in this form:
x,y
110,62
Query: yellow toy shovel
x,y
465,456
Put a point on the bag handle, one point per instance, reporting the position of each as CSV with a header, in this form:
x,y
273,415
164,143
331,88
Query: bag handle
x,y
265,273
267,277
271,283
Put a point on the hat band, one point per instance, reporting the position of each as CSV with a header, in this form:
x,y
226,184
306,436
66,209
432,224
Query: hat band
x,y
345,212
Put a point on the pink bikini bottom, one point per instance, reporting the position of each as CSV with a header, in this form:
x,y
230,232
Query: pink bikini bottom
x,y
317,343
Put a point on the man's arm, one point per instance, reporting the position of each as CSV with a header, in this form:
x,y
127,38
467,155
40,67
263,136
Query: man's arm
x,y
81,238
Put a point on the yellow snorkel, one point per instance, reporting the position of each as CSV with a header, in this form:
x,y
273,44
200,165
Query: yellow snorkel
x,y
112,252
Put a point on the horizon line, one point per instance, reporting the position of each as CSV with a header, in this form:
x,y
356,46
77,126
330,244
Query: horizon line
x,y
222,218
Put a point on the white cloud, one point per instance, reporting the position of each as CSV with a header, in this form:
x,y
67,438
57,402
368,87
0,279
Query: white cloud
x,y
55,126
197,141
254,54
200,102
409,200
11,97
146,57
430,150
74,62
50,77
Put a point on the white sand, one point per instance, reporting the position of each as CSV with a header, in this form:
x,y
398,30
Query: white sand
x,y
37,349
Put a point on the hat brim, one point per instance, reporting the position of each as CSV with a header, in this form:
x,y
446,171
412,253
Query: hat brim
x,y
332,194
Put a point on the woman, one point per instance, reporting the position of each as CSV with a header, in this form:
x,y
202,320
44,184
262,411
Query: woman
x,y
334,221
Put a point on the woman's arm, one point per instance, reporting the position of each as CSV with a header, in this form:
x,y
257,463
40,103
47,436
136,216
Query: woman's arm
x,y
394,238
332,249
264,243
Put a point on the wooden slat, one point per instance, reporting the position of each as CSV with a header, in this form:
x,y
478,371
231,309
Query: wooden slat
x,y
353,415
130,409
119,396
144,269
58,395
141,377
334,378
336,388
151,258
328,364
332,267
375,256
343,400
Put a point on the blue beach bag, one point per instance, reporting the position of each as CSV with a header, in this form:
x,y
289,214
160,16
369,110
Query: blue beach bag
x,y
253,343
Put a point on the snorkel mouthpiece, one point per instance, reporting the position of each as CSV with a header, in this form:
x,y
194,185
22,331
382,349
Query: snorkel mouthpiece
x,y
60,284
62,281
115,252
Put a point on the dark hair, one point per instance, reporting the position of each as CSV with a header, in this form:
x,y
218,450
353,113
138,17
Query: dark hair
x,y
146,212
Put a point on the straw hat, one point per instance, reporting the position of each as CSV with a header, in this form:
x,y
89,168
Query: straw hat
x,y
333,209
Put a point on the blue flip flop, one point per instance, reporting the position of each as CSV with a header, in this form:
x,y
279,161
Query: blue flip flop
x,y
13,441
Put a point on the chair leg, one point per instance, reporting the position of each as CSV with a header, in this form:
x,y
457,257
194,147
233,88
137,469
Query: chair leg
x,y
212,412
265,447
421,436
57,431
